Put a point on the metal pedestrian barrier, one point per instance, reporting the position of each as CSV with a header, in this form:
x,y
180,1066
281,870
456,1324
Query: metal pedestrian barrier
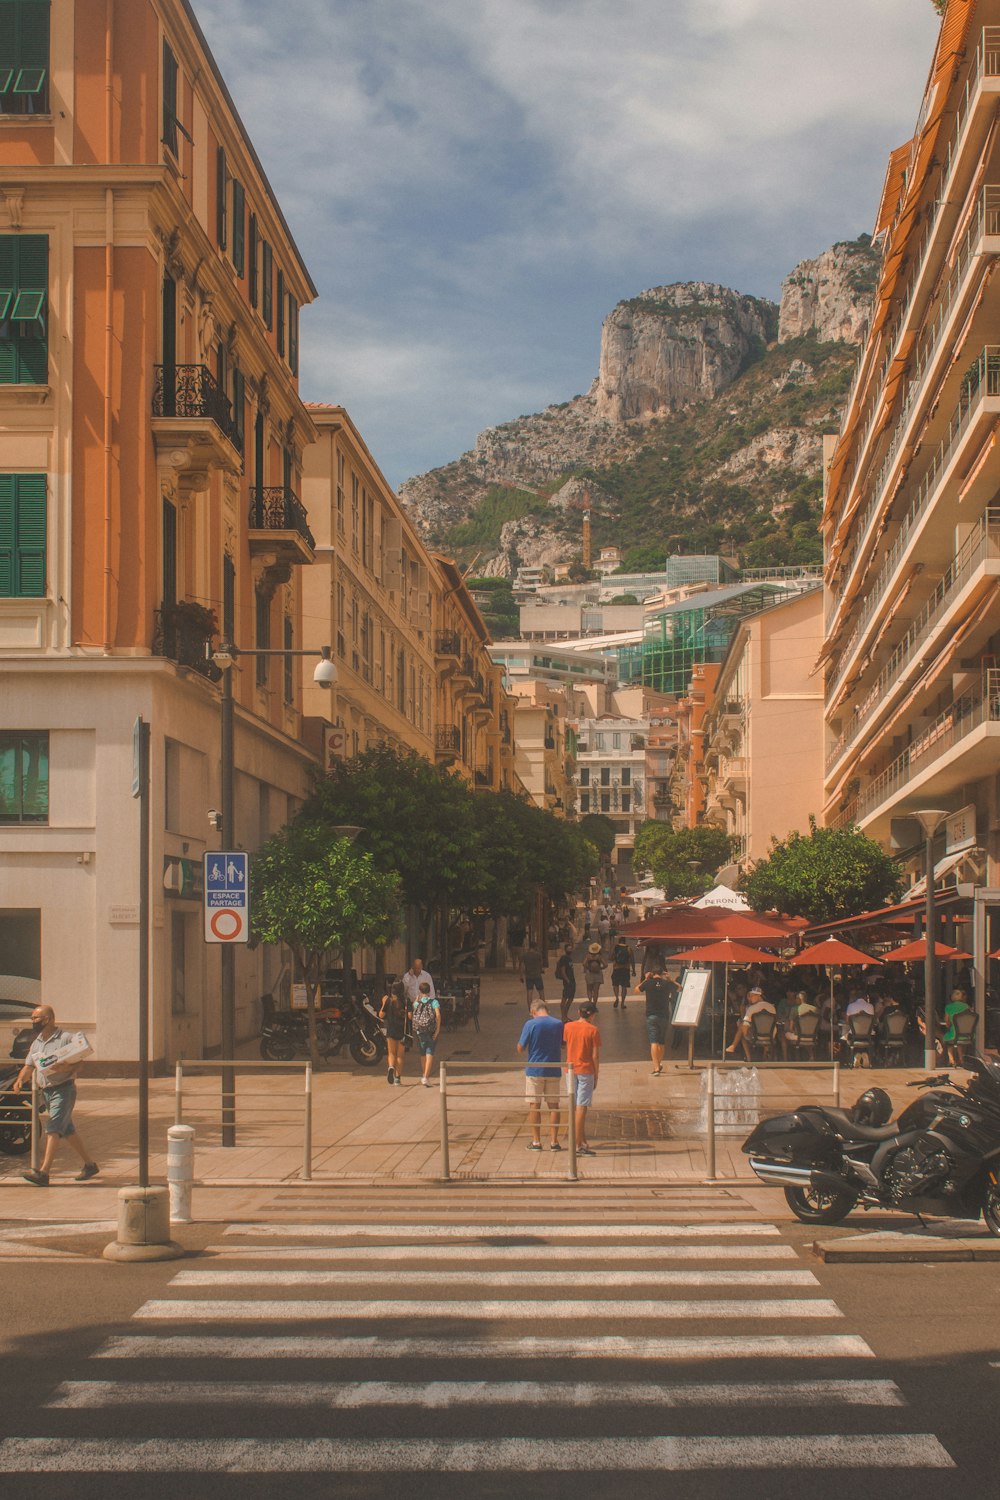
x,y
281,1108
713,1095
446,1082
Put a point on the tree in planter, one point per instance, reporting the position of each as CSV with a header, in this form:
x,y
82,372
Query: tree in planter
x,y
669,853
831,872
314,892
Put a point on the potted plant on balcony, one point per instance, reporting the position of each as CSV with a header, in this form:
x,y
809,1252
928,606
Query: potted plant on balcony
x,y
185,628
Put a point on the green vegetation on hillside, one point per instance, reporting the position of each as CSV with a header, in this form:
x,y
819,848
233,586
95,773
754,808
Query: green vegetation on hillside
x,y
499,505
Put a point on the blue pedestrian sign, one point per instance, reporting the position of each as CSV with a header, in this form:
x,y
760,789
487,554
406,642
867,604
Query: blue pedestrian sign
x,y
227,897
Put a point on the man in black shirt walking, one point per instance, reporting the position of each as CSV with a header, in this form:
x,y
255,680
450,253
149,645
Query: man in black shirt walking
x,y
659,989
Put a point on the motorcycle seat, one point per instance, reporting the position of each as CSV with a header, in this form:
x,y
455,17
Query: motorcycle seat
x,y
851,1131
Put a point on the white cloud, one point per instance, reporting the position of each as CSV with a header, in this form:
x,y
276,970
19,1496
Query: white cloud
x,y
475,182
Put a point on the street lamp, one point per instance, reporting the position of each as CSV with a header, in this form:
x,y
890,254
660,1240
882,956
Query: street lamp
x,y
930,820
225,657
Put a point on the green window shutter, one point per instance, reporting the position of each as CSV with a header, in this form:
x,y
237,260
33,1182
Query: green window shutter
x,y
293,335
24,277
169,99
30,524
239,406
221,181
267,280
280,334
239,226
254,254
24,56
6,535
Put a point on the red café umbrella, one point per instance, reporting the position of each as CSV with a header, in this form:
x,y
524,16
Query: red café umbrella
x,y
913,952
832,951
706,924
727,952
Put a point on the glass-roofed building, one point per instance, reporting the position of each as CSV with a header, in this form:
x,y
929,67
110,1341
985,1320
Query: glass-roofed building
x,y
693,630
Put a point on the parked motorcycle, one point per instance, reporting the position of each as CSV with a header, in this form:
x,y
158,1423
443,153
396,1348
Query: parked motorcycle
x,y
15,1115
941,1157
285,1033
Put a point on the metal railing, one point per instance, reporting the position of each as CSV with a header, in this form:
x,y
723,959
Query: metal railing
x,y
192,391
981,381
981,546
567,1091
711,1097
230,1103
277,508
951,726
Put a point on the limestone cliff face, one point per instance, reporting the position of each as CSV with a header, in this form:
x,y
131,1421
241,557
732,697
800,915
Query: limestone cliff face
x,y
830,298
673,345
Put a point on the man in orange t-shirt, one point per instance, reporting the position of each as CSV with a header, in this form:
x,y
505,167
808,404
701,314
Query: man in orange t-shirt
x,y
583,1048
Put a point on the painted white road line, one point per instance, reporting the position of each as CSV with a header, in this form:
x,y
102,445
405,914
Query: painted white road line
x,y
436,1395
577,1281
481,1308
524,1255
541,1232
461,1456
606,1346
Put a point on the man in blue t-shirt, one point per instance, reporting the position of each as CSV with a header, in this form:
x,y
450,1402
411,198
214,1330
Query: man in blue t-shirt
x,y
542,1039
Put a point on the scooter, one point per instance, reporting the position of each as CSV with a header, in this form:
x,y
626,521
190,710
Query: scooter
x,y
15,1115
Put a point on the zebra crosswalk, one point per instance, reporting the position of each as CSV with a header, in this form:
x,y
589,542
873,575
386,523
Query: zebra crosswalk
x,y
440,1345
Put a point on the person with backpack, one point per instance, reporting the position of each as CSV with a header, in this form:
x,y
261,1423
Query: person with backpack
x,y
593,972
622,970
567,976
426,1028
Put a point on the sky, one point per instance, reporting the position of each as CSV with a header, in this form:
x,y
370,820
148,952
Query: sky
x,y
474,184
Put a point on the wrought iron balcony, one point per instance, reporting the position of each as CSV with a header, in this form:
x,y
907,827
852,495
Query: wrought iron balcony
x,y
191,412
278,524
447,643
448,743
181,632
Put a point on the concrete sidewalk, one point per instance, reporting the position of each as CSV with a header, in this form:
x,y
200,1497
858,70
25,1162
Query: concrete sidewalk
x,y
643,1128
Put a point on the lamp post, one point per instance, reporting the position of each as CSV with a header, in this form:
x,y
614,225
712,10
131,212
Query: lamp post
x,y
225,657
930,820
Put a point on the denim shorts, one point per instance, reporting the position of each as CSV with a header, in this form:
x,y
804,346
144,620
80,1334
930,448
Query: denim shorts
x,y
584,1087
59,1102
426,1041
656,1030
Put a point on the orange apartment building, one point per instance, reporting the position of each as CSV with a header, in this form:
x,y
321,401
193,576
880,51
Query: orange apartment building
x,y
151,442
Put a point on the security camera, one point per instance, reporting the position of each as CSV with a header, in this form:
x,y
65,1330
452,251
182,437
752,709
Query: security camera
x,y
214,819
325,674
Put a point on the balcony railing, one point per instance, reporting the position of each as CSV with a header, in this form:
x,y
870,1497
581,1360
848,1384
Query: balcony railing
x,y
950,727
448,741
181,632
985,221
191,391
985,64
277,508
447,643
981,381
980,546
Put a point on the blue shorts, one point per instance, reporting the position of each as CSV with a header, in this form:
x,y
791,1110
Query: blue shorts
x,y
656,1030
59,1102
426,1041
584,1087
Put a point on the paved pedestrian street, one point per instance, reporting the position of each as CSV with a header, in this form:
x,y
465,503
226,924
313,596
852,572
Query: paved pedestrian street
x,y
507,1342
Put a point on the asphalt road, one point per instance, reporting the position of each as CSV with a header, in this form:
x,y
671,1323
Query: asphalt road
x,y
637,1343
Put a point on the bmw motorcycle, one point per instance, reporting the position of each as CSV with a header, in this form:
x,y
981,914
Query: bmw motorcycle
x,y
941,1157
285,1033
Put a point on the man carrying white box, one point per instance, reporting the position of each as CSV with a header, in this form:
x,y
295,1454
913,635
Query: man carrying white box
x,y
54,1056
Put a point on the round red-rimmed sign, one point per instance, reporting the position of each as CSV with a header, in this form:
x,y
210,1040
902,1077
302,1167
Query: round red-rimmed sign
x,y
226,924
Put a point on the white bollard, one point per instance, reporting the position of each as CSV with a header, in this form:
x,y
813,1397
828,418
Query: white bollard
x,y
180,1171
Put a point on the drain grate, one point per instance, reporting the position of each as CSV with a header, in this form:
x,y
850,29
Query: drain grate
x,y
630,1125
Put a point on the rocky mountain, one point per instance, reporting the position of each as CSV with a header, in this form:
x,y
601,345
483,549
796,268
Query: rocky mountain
x,y
727,394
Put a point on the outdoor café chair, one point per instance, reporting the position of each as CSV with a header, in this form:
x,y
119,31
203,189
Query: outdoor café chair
x,y
860,1037
761,1033
801,1036
893,1030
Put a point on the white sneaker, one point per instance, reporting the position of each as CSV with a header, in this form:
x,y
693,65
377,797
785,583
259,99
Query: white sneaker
x,y
426,1082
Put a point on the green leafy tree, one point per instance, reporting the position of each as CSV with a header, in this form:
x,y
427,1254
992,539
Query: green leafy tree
x,y
313,891
669,854
599,831
831,872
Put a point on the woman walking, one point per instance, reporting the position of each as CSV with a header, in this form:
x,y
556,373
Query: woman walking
x,y
593,972
393,1015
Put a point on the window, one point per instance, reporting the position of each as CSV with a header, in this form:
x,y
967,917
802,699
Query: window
x,y
169,99
22,536
239,408
341,611
340,493
605,776
585,776
605,802
585,802
279,336
401,682
263,637
626,775
169,553
267,283
24,777
228,598
626,801
616,742
293,335
239,226
221,199
254,262
24,57
355,510
288,660
24,282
